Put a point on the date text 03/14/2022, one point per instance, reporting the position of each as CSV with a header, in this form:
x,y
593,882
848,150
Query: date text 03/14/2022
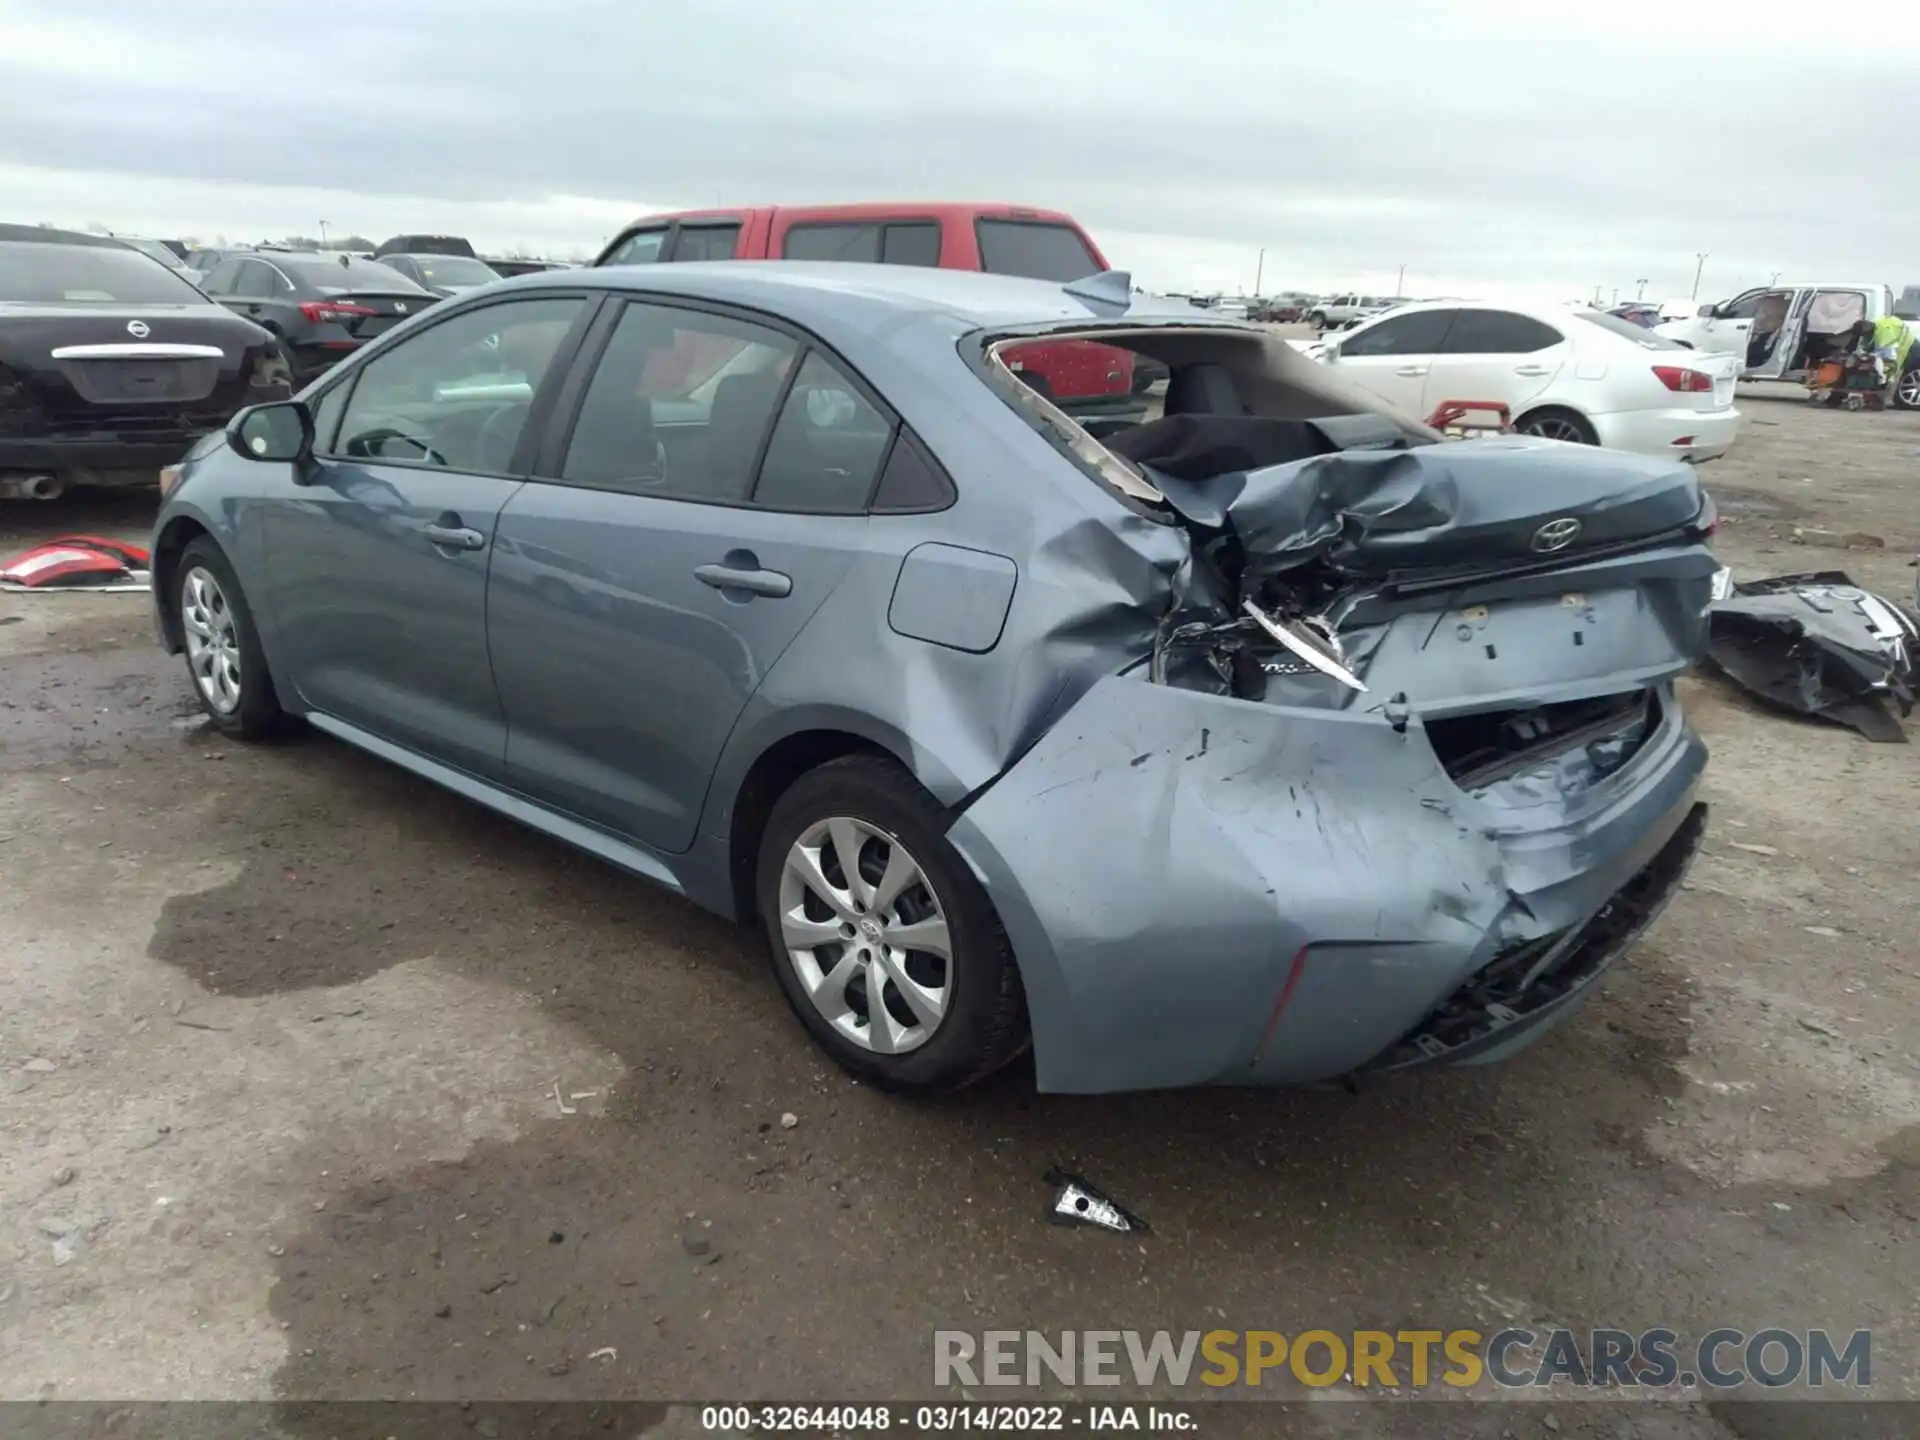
x,y
943,1419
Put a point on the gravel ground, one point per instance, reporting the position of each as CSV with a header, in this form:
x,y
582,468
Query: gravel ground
x,y
325,1084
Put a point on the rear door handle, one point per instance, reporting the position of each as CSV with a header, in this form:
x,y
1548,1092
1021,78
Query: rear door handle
x,y
455,536
770,583
1411,371
1531,370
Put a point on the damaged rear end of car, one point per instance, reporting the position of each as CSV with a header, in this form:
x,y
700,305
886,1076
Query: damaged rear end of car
x,y
1395,770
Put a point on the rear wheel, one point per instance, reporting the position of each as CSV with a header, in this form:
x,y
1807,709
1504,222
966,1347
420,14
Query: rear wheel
x,y
224,659
1318,319
1552,423
886,945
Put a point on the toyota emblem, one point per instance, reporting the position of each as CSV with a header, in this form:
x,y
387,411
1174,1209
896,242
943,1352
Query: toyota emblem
x,y
399,307
1556,534
138,329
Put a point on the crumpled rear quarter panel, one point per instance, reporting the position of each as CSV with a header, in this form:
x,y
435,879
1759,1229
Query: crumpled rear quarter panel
x,y
1161,856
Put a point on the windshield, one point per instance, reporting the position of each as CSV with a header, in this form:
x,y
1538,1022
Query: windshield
x,y
336,278
38,273
1627,330
455,270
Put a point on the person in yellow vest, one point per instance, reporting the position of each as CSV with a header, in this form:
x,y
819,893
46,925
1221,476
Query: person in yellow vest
x,y
1892,341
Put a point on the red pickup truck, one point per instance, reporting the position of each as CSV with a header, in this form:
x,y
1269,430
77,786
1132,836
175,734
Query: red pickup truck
x,y
1081,376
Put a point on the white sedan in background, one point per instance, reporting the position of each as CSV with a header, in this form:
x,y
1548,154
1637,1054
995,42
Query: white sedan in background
x,y
1563,373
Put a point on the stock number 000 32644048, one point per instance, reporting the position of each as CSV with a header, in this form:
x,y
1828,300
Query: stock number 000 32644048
x,y
863,1419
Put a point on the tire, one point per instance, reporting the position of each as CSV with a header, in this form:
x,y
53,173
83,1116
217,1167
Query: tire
x,y
1553,423
1318,320
215,622
1906,392
981,1022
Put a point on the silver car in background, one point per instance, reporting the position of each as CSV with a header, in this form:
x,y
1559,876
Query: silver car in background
x,y
1267,741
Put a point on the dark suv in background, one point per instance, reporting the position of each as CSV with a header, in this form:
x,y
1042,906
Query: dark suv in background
x,y
111,364
323,305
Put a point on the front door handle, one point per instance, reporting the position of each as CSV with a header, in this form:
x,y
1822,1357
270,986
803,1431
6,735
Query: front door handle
x,y
456,536
1412,372
770,583
1531,370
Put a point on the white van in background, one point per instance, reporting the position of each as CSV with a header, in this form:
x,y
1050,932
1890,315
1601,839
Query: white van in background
x,y
1778,331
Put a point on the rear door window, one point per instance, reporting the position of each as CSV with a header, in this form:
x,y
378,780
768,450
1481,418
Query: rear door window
x,y
913,243
826,447
1497,332
833,241
1038,250
1420,333
706,242
257,281
642,247
678,405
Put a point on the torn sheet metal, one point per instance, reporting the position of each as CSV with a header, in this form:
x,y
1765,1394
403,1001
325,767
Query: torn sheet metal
x,y
77,562
1819,644
1373,512
1319,649
1279,832
1079,1202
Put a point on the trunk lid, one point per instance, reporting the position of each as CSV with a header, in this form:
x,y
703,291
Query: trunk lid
x,y
73,367
1461,506
1527,603
364,313
1725,370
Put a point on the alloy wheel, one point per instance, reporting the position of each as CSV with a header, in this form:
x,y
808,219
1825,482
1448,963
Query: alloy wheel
x,y
213,640
866,935
1907,391
1554,427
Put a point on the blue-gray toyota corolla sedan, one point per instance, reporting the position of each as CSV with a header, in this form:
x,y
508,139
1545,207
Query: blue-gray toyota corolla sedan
x,y
1262,737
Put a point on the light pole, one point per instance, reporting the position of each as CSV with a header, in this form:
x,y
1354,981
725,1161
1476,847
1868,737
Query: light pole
x,y
1773,279
1260,270
1641,292
323,234
1400,284
1699,264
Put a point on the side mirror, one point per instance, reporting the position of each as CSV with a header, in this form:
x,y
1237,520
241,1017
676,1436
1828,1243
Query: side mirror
x,y
1706,312
280,432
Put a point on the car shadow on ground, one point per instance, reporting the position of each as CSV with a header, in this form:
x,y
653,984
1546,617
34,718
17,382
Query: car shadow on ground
x,y
872,1215
685,1241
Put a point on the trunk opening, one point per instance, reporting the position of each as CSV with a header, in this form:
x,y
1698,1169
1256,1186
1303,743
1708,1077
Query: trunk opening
x,y
1489,745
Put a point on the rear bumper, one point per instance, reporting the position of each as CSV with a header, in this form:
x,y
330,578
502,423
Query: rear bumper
x,y
105,460
1709,433
1493,1015
1294,895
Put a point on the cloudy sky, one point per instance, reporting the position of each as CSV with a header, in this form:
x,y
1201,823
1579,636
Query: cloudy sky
x,y
1482,144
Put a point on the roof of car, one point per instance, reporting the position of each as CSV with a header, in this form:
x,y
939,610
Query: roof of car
x,y
47,236
872,210
836,291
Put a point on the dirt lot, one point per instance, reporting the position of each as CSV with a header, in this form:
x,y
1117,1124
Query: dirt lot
x,y
319,1082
